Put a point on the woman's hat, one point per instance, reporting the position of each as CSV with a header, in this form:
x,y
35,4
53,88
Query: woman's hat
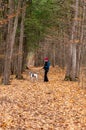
x,y
46,59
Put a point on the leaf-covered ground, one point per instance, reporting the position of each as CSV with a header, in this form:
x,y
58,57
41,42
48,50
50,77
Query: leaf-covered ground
x,y
35,105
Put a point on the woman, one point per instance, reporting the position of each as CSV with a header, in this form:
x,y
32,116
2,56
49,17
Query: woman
x,y
46,68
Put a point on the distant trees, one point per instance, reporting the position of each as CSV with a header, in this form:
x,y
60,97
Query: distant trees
x,y
65,37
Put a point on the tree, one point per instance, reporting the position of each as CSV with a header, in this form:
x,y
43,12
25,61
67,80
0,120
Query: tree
x,y
73,64
10,40
21,40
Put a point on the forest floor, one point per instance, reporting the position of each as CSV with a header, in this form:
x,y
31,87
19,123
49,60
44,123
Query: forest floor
x,y
36,105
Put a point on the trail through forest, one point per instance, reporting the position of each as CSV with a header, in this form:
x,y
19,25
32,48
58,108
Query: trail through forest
x,y
36,105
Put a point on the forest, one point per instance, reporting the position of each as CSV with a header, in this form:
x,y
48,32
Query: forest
x,y
31,30
53,28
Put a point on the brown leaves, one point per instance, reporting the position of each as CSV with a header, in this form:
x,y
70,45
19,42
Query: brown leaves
x,y
56,105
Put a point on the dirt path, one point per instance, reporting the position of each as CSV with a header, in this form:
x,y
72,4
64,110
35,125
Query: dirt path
x,y
56,105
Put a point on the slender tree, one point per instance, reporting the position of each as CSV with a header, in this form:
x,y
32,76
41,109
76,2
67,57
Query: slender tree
x,y
71,64
21,40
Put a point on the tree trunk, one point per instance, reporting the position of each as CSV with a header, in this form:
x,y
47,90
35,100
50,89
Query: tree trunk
x,y
7,54
82,41
53,56
10,43
71,69
68,62
20,56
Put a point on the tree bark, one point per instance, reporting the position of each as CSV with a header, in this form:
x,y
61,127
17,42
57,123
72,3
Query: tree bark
x,y
7,54
12,27
71,65
20,56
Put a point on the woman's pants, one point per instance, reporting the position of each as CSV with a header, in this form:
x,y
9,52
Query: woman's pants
x,y
45,76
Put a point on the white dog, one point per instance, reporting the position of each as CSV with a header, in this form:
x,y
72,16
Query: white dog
x,y
33,75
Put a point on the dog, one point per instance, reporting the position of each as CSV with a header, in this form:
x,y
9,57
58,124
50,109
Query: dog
x,y
33,75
